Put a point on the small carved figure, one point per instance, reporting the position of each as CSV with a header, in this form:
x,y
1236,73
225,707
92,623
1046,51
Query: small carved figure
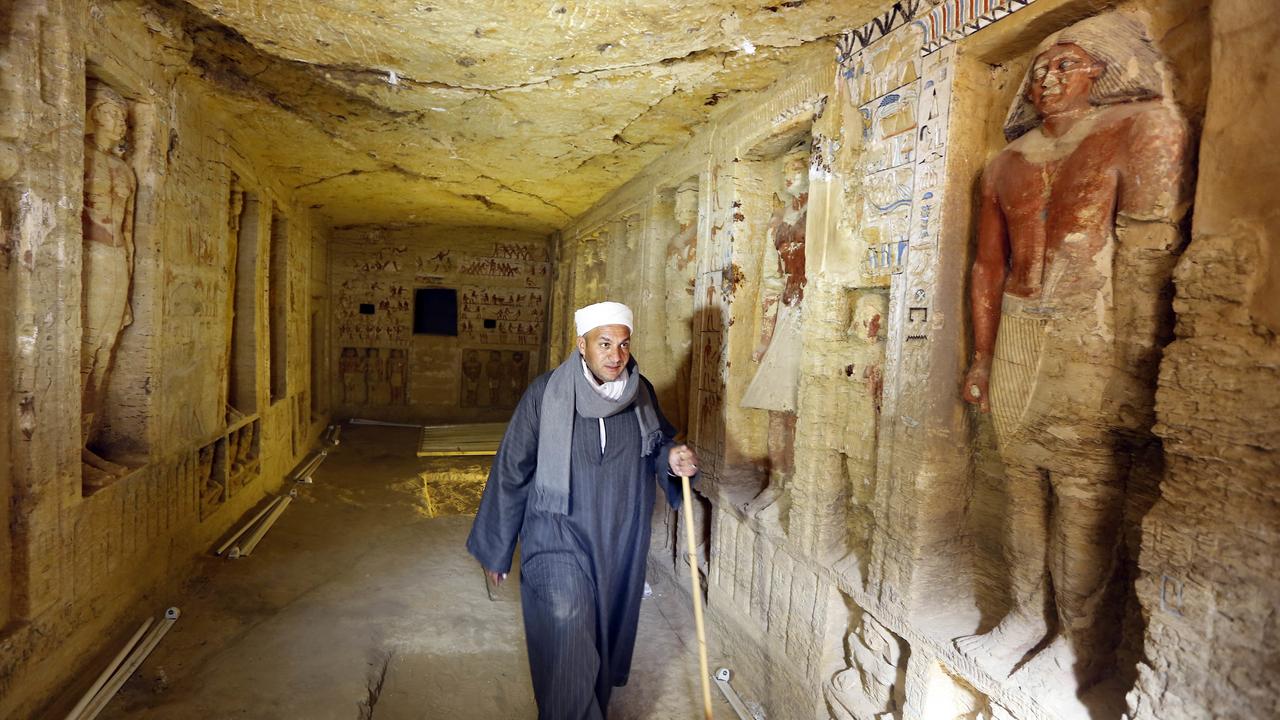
x,y
516,379
245,454
493,378
774,387
873,685
233,453
110,188
211,488
471,371
376,377
351,367
397,375
1077,234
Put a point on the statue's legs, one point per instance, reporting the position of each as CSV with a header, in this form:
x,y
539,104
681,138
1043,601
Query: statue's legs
x,y
1027,624
104,316
1083,556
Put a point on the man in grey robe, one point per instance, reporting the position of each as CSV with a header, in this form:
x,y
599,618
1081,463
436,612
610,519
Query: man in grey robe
x,y
574,481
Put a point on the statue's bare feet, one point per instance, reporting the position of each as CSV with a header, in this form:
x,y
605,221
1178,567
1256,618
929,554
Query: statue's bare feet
x,y
767,497
92,459
1000,650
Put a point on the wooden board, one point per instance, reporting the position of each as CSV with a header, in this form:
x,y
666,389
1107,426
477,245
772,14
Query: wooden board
x,y
450,440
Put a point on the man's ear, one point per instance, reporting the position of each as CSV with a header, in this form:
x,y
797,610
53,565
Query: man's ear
x,y
582,344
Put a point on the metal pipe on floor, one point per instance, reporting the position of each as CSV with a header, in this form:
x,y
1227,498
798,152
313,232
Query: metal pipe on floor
x,y
109,670
256,537
131,665
315,466
735,702
304,468
243,528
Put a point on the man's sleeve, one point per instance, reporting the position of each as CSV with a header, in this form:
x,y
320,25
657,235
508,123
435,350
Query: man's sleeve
x,y
501,515
669,483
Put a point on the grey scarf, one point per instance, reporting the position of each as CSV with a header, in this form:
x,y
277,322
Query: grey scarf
x,y
568,391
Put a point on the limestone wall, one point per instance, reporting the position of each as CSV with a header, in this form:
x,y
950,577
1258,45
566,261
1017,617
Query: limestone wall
x,y
495,285
841,565
209,400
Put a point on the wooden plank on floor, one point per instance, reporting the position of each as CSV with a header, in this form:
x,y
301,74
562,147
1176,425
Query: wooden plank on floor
x,y
453,440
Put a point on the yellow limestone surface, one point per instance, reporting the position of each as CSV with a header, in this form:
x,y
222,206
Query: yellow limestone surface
x,y
489,112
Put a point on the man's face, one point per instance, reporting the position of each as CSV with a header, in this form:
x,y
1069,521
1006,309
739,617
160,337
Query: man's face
x,y
606,349
1061,79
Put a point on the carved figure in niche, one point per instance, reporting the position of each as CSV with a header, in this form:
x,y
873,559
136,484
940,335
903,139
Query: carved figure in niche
x,y
210,487
1077,235
517,378
110,188
233,453
376,376
472,368
493,378
873,687
681,250
774,387
244,447
351,367
397,375
235,209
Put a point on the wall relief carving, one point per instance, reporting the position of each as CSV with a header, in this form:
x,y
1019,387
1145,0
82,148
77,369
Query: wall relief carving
x,y
110,189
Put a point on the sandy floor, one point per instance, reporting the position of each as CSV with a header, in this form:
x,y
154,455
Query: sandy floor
x,y
360,604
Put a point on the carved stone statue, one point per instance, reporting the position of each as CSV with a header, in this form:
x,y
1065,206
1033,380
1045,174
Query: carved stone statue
x,y
1077,233
376,377
873,686
774,387
471,371
235,210
516,379
681,249
493,379
107,274
351,367
397,374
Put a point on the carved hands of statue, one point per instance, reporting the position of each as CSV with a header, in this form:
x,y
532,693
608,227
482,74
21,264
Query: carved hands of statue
x,y
976,382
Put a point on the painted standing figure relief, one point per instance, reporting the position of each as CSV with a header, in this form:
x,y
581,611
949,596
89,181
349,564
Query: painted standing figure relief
x,y
472,368
1076,240
681,249
110,188
351,367
774,387
397,375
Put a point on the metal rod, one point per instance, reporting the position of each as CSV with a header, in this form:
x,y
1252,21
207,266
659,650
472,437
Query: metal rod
x,y
695,589
109,670
735,702
223,547
262,529
131,665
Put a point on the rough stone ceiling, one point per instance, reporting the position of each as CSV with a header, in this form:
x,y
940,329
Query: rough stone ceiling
x,y
509,113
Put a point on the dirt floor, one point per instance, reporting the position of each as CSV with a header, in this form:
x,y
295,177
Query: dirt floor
x,y
362,603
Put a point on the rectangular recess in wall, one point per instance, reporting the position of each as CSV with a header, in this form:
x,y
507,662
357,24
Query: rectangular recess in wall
x,y
242,371
278,304
435,311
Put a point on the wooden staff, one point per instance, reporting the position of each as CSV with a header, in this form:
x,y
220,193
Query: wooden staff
x,y
695,589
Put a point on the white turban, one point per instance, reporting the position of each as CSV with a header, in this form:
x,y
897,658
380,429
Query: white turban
x,y
602,313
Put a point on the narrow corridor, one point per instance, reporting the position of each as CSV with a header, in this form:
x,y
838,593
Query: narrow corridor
x,y
358,604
